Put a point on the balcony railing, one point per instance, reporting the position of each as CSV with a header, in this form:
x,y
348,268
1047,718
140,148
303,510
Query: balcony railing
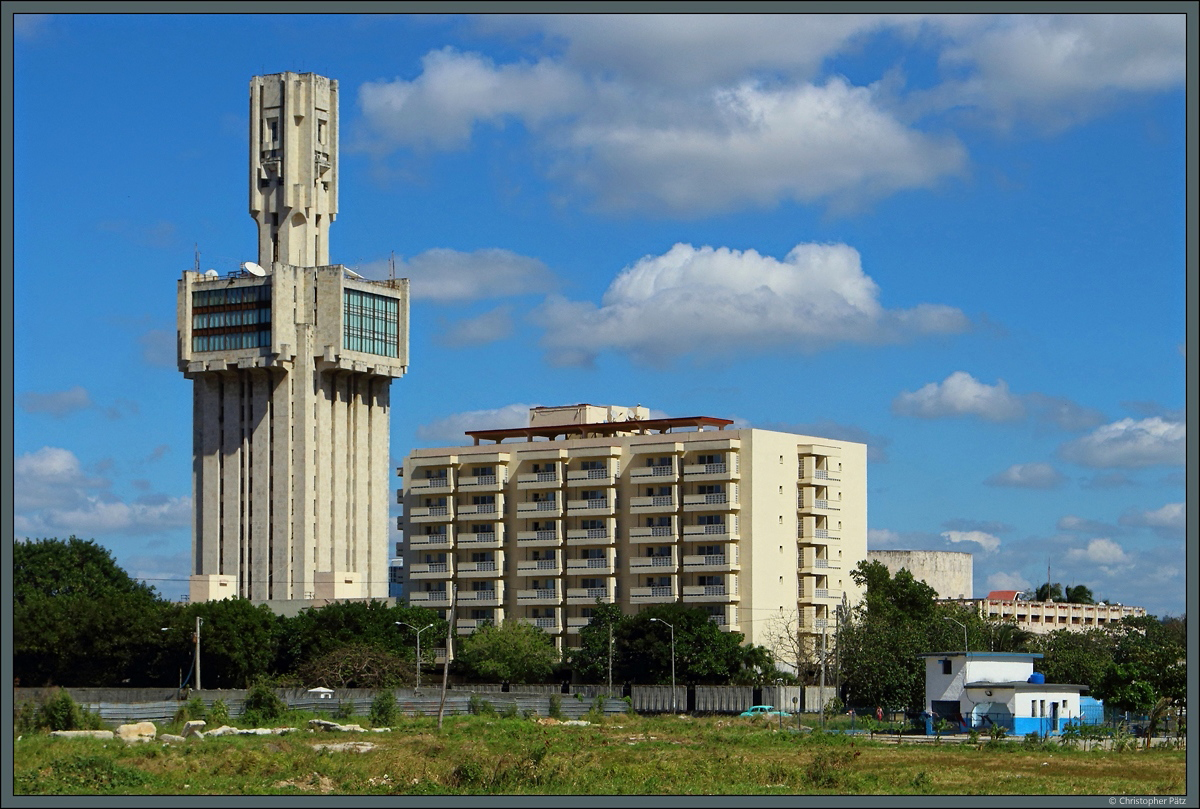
x,y
708,530
535,538
429,513
667,470
545,478
651,533
429,597
478,598
655,593
486,568
548,624
590,474
588,564
478,508
589,595
543,507
658,502
710,592
709,561
430,541
430,569
642,564
602,505
429,483
487,539
539,567
539,596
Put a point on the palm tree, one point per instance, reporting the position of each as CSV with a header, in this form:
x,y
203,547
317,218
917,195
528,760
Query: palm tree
x,y
1006,636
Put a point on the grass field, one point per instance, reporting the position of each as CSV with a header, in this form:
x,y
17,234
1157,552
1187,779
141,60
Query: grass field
x,y
631,755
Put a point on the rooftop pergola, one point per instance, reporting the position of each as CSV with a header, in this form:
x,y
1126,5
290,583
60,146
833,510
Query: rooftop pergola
x,y
602,429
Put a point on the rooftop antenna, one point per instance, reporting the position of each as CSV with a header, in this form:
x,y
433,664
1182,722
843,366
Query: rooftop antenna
x,y
197,246
392,269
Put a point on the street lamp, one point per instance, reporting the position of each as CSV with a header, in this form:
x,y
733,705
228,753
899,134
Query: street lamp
x,y
674,709
966,648
418,631
199,621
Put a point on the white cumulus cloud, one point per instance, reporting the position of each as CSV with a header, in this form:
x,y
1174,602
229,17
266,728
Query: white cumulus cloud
x,y
1028,476
1103,552
1130,444
1007,581
717,301
58,403
988,542
961,394
883,538
1169,520
449,431
485,328
442,275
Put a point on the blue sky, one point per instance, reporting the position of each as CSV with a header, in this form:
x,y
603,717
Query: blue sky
x,y
958,239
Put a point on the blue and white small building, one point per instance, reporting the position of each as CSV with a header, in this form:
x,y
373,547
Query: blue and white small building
x,y
976,690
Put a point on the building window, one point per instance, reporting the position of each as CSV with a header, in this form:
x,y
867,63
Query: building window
x,y
371,323
945,667
231,317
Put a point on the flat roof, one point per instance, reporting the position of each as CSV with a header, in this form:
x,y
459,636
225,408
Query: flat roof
x,y
603,428
1025,685
1021,655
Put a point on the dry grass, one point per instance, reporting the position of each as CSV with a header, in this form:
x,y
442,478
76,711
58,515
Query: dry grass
x,y
626,755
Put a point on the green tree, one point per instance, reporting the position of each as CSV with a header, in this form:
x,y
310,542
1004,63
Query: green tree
x,y
317,631
79,619
1149,662
1081,658
1049,592
591,662
704,653
514,651
1079,595
238,641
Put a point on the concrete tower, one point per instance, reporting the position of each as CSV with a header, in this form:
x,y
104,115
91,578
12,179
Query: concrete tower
x,y
291,361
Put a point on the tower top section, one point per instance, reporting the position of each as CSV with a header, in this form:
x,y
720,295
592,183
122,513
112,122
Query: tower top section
x,y
293,166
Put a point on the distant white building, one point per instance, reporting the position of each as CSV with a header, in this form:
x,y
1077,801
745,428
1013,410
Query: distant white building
x,y
976,690
1047,616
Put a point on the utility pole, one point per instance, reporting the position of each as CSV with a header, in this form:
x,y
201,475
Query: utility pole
x,y
822,700
610,651
199,621
446,665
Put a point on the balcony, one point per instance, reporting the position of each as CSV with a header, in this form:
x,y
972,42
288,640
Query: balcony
x,y
590,595
483,483
810,564
431,542
538,480
701,593
653,533
656,474
428,484
817,593
602,507
655,504
711,471
719,501
652,595
654,564
546,623
540,509
539,539
806,534
721,531
482,598
727,620
488,569
591,477
431,570
712,563
808,504
539,596
466,626
468,510
809,475
420,514
491,539
592,567
539,567
430,598
590,536
576,624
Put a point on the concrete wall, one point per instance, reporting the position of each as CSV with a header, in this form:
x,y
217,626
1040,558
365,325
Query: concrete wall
x,y
947,572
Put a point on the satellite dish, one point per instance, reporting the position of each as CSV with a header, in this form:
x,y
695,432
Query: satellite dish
x,y
211,274
254,269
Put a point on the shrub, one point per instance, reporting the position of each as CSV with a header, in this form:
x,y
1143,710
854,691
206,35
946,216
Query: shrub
x,y
384,710
218,714
345,709
480,707
555,707
262,704
510,711
194,708
60,712
833,708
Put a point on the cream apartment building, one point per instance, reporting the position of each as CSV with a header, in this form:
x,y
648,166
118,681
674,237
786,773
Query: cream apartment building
x,y
593,504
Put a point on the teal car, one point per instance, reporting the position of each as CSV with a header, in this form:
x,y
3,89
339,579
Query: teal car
x,y
763,710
